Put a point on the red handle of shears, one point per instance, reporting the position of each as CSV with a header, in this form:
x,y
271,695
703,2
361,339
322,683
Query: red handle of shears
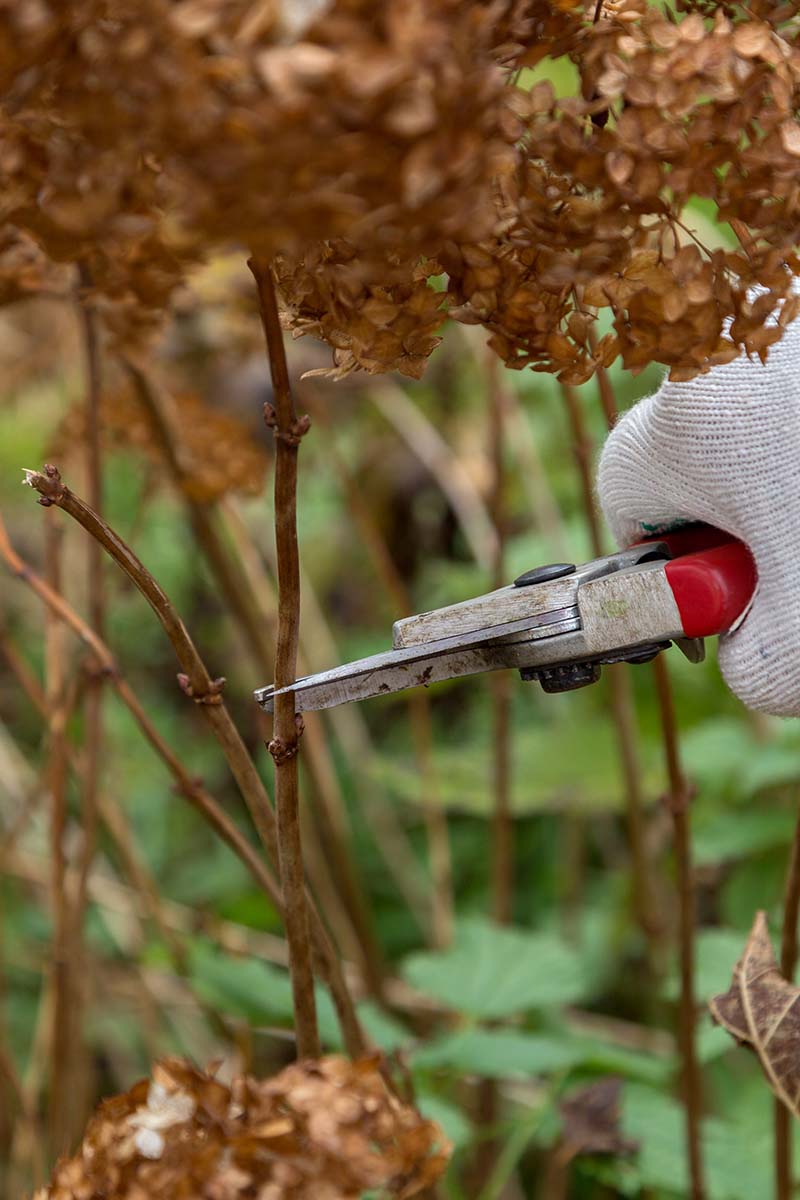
x,y
712,577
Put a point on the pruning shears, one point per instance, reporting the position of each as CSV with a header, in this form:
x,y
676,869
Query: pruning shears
x,y
559,623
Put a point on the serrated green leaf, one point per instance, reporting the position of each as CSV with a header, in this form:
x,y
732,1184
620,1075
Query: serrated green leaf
x,y
738,1166
242,987
497,1053
734,834
492,972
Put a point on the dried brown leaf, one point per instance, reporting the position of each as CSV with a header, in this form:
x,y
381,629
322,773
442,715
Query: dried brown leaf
x,y
591,1120
761,1009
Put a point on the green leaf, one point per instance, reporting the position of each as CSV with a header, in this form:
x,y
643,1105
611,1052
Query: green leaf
x,y
712,1040
497,1053
241,987
557,762
603,1058
387,1033
716,753
492,972
738,1164
717,952
736,833
261,994
455,1125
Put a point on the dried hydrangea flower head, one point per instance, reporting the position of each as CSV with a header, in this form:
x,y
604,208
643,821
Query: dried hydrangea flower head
x,y
320,1130
395,157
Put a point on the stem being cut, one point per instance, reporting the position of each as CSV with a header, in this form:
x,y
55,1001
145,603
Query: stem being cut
x,y
198,684
288,728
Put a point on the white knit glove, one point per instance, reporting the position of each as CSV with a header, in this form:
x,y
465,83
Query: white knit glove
x,y
724,449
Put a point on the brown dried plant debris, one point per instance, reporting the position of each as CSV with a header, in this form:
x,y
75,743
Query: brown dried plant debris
x,y
591,1120
327,1129
376,324
217,450
761,1009
375,141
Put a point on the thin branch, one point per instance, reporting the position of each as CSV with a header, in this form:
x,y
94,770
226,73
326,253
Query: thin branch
x,y
241,764
287,727
319,648
789,954
188,786
242,599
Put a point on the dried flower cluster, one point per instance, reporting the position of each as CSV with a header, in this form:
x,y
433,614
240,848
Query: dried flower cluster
x,y
323,1130
217,450
394,160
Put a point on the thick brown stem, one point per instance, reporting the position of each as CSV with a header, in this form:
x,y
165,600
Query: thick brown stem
x,y
287,729
789,954
678,803
233,581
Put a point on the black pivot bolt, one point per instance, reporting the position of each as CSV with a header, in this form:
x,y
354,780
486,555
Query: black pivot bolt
x,y
545,574
565,678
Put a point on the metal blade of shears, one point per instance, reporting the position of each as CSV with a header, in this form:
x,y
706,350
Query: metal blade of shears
x,y
489,649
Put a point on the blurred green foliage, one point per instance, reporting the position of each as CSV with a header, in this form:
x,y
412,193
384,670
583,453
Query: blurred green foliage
x,y
571,992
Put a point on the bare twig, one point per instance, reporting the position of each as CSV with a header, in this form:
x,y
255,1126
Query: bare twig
x,y
348,724
678,803
287,728
231,576
241,764
190,787
789,953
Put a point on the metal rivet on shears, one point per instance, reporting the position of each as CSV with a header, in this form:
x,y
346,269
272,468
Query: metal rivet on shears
x,y
545,574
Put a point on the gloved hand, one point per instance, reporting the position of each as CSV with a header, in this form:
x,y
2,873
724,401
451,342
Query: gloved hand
x,y
724,449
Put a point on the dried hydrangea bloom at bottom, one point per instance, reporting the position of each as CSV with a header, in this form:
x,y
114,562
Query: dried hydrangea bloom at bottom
x,y
327,1129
